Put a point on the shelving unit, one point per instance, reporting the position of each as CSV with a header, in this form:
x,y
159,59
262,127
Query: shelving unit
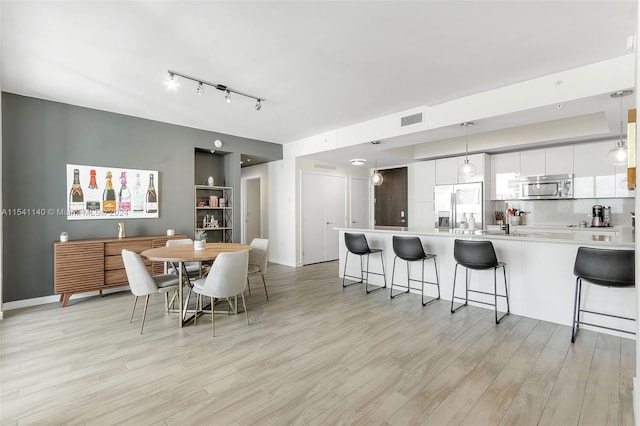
x,y
223,215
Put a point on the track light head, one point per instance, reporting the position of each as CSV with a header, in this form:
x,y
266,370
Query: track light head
x,y
227,96
258,104
200,90
172,82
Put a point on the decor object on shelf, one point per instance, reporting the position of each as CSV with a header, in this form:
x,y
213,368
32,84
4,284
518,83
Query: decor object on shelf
x,y
376,178
122,233
467,169
64,237
210,181
618,156
200,240
172,85
171,232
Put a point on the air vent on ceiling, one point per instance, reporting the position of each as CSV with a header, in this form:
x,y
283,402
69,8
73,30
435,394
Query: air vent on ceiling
x,y
324,166
411,119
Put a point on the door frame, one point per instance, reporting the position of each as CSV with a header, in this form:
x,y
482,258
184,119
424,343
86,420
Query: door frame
x,y
243,208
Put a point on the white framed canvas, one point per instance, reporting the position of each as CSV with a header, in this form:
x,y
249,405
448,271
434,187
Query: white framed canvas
x,y
96,192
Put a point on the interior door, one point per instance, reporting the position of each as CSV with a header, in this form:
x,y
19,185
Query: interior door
x,y
313,220
253,228
335,213
359,202
391,198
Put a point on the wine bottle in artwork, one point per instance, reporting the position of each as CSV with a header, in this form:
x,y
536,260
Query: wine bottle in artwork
x,y
138,195
76,197
151,205
124,197
93,194
109,196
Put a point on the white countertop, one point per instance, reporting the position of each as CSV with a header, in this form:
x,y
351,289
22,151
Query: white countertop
x,y
615,237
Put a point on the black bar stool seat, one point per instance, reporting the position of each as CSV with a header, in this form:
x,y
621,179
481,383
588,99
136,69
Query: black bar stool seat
x,y
410,250
357,244
478,255
603,267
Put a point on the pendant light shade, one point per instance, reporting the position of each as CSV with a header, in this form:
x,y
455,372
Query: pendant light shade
x,y
467,169
618,156
376,178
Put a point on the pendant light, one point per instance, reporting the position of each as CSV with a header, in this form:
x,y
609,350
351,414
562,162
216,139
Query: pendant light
x,y
376,177
467,169
618,155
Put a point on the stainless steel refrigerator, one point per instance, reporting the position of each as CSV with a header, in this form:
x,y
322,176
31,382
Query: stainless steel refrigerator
x,y
453,203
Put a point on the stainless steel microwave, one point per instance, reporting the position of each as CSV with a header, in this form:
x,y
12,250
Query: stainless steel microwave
x,y
553,187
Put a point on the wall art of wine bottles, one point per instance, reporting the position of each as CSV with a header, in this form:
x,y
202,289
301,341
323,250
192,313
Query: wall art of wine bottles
x,y
95,192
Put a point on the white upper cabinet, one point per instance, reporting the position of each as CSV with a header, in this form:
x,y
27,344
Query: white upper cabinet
x,y
532,162
447,169
548,161
594,177
559,160
505,170
424,180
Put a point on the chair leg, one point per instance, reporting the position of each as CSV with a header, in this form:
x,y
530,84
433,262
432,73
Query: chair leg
x,y
198,302
213,317
435,266
576,311
495,292
244,305
466,285
393,273
408,276
506,291
135,300
264,283
166,300
249,286
384,275
344,273
144,315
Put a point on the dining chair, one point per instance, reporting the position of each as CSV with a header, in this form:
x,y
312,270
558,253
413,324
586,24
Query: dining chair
x,y
227,278
142,283
190,271
258,259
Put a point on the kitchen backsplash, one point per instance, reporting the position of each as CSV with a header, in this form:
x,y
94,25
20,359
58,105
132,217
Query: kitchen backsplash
x,y
569,212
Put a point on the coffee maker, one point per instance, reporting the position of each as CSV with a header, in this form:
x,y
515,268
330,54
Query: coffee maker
x,y
597,215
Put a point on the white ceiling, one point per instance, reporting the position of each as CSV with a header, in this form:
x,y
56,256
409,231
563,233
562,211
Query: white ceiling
x,y
321,65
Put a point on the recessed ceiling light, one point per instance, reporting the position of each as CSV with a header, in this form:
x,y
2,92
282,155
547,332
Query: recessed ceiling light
x,y
358,162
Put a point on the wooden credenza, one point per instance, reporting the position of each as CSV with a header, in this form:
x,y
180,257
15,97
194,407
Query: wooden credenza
x,y
96,264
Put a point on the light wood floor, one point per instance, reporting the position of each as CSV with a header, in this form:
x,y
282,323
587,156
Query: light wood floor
x,y
316,354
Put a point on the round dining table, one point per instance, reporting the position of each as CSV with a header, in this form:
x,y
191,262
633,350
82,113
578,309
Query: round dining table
x,y
187,253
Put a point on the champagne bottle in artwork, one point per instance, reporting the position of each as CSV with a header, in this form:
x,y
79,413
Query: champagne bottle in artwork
x,y
152,197
109,196
124,198
76,197
138,195
93,194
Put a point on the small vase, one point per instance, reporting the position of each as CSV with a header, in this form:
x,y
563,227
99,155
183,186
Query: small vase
x,y
199,245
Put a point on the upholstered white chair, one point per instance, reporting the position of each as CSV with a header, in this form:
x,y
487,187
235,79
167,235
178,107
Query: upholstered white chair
x,y
227,278
258,259
143,284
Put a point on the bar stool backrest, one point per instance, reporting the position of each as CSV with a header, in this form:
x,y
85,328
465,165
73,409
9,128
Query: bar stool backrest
x,y
356,243
611,268
408,248
475,254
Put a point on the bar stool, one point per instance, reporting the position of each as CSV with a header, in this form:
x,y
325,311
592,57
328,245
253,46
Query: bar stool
x,y
410,250
357,244
478,255
608,268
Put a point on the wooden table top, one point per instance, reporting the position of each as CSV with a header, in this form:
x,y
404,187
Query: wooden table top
x,y
186,252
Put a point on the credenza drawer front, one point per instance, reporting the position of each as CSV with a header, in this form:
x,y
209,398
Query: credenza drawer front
x,y
78,266
115,248
118,276
115,262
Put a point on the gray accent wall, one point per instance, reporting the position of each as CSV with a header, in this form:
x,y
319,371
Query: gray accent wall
x,y
41,137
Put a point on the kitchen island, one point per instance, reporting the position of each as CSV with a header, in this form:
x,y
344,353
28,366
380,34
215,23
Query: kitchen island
x,y
539,270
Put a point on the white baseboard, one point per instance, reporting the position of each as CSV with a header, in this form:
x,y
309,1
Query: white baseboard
x,y
25,303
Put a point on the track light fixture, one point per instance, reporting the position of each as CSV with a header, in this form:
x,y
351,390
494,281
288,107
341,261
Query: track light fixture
x,y
172,84
618,156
